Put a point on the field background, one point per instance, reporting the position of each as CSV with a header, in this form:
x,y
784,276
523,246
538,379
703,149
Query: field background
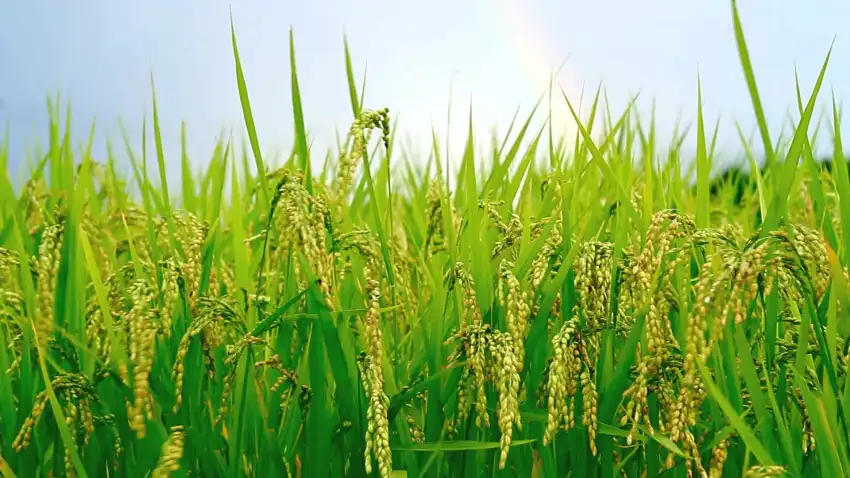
x,y
597,305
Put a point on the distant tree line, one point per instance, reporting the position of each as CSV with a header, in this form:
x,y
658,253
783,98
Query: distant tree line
x,y
742,183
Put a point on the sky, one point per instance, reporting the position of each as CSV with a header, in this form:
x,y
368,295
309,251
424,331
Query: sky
x,y
494,56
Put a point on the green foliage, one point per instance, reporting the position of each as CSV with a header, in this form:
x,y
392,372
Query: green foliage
x,y
555,312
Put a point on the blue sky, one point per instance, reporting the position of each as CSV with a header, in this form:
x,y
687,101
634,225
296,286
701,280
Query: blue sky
x,y
496,53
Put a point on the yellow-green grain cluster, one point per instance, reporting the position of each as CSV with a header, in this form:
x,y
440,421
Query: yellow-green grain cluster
x,y
559,306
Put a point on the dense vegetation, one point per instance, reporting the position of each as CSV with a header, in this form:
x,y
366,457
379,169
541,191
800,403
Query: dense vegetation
x,y
585,311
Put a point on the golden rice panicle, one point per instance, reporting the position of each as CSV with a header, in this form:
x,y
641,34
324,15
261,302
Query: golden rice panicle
x,y
226,277
100,239
36,213
711,289
762,471
515,300
642,292
475,336
170,295
471,313
407,275
592,268
70,411
323,260
464,384
510,238
171,454
96,333
810,247
142,329
178,372
590,406
218,321
474,342
506,370
11,300
808,442
549,253
24,436
77,410
9,263
286,376
745,272
408,272
133,222
562,380
665,231
435,240
659,340
47,269
491,208
659,333
75,395
191,234
108,421
300,221
233,353
551,180
706,304
718,458
356,143
636,407
417,435
377,428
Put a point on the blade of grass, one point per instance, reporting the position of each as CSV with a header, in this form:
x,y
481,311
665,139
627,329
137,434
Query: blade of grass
x,y
248,116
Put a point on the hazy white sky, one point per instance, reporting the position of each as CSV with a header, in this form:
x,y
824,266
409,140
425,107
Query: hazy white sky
x,y
499,53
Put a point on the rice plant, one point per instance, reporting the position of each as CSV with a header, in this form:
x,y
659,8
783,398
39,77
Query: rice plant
x,y
583,311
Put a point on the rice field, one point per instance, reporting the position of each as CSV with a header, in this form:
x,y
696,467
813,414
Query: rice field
x,y
591,306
